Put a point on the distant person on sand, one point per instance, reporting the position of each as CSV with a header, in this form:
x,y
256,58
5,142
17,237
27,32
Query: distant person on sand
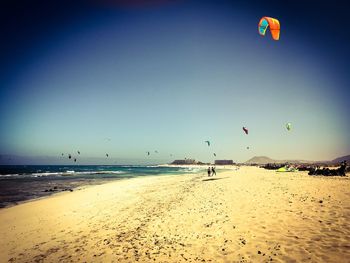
x,y
209,171
213,171
342,169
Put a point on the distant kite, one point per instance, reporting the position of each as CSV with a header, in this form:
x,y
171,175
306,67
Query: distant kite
x,y
247,147
62,154
245,129
208,142
148,153
75,159
78,152
274,24
69,156
289,126
107,154
156,151
214,154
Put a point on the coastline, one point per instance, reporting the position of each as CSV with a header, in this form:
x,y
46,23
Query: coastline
x,y
25,183
64,192
190,217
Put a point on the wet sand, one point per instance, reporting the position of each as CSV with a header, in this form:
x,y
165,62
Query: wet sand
x,y
249,215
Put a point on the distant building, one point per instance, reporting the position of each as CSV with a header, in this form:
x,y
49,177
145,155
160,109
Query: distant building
x,y
224,162
186,161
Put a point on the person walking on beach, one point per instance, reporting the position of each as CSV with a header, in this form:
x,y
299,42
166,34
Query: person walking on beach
x,y
209,171
213,171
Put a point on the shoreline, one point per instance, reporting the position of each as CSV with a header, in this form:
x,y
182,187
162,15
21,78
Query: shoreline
x,y
79,187
248,215
63,192
42,181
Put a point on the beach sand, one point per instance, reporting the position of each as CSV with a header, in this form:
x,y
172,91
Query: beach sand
x,y
248,215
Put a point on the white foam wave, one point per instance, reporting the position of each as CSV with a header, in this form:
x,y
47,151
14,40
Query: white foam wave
x,y
65,173
8,175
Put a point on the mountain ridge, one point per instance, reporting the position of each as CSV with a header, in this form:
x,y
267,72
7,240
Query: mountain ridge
x,y
266,159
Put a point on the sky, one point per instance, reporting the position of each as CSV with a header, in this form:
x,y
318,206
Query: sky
x,y
127,77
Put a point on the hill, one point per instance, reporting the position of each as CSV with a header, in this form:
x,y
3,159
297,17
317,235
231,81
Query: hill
x,y
261,160
341,159
265,160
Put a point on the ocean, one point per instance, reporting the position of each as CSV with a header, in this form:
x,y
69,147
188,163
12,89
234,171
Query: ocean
x,y
19,183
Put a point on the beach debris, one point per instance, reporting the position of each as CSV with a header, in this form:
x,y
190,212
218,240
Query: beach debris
x,y
274,24
55,189
289,126
207,142
245,129
242,241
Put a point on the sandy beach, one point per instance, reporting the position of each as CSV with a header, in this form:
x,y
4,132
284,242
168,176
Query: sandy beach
x,y
245,215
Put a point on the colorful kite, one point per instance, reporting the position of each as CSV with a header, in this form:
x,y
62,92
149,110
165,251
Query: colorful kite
x,y
274,24
289,126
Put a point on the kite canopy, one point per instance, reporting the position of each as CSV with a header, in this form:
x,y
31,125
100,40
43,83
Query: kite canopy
x,y
289,126
245,129
208,142
287,169
274,24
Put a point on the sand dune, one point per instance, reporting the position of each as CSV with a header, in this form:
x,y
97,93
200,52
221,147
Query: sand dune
x,y
249,215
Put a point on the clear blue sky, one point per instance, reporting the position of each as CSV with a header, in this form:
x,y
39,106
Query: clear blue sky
x,y
168,78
